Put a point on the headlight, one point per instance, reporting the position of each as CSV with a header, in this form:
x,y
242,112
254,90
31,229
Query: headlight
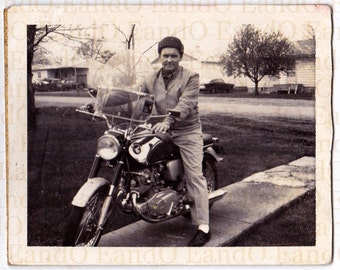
x,y
108,147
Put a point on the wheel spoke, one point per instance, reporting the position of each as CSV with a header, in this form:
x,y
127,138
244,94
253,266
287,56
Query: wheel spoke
x,y
210,176
87,234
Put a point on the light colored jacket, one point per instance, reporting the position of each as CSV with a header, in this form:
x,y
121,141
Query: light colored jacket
x,y
181,95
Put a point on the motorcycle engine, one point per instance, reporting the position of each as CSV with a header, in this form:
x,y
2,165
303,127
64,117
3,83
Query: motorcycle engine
x,y
156,200
162,203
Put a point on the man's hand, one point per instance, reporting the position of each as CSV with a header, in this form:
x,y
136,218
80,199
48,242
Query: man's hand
x,y
161,127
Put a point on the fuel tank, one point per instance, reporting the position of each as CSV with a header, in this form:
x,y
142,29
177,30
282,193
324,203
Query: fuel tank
x,y
154,148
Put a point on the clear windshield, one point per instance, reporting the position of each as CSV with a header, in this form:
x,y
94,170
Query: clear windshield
x,y
118,85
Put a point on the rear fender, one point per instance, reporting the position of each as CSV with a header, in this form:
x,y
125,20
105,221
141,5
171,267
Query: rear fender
x,y
210,151
87,190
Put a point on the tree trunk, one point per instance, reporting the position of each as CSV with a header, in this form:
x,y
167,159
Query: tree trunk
x,y
256,88
31,119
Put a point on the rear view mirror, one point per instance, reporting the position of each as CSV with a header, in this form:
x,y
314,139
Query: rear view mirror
x,y
147,108
89,107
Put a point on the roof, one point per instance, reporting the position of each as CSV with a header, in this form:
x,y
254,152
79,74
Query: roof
x,y
304,48
82,65
216,58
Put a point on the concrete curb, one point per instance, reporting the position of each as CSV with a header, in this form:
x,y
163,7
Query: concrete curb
x,y
246,204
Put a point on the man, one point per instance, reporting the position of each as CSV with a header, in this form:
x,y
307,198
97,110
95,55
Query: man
x,y
177,88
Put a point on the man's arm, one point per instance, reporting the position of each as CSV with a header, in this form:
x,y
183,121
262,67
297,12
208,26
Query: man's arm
x,y
188,100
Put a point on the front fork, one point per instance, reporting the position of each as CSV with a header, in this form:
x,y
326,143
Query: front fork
x,y
109,197
95,167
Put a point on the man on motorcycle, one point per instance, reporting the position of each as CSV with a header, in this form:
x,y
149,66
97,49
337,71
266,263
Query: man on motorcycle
x,y
177,88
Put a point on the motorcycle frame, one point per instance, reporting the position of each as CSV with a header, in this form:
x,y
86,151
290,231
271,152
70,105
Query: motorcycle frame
x,y
94,183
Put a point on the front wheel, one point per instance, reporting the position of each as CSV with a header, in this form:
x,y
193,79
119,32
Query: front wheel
x,y
82,228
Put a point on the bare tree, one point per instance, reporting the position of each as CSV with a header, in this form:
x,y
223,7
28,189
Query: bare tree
x,y
92,49
42,57
129,40
36,35
255,54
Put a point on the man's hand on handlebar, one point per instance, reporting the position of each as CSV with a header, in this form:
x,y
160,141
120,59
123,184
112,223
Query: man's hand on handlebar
x,y
161,127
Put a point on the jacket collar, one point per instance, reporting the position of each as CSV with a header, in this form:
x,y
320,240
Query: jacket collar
x,y
160,72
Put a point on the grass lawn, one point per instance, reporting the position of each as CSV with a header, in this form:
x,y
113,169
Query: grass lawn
x,y
293,226
61,150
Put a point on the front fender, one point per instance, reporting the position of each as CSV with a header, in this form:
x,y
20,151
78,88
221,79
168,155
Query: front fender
x,y
210,151
87,190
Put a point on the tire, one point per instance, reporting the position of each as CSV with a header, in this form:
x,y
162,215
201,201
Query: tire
x,y
81,229
210,173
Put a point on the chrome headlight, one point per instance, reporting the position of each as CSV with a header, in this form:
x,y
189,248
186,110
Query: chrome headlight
x,y
108,147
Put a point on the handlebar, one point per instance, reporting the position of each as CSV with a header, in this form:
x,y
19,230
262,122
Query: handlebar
x,y
138,123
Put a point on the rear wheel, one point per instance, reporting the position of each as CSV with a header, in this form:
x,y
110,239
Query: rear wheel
x,y
82,228
210,174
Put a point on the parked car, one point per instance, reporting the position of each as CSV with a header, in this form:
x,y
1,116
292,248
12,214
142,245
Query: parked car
x,y
47,85
202,87
217,86
68,85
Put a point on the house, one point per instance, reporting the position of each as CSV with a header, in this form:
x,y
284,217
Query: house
x,y
302,76
77,73
304,54
212,68
300,79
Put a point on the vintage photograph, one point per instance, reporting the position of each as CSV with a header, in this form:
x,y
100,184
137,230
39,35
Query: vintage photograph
x,y
170,127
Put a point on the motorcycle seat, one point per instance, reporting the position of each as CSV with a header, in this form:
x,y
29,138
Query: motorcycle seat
x,y
207,138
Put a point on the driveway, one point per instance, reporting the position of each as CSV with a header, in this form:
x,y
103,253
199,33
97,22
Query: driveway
x,y
60,101
253,107
247,107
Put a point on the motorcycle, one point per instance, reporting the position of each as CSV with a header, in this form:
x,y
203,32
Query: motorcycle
x,y
134,168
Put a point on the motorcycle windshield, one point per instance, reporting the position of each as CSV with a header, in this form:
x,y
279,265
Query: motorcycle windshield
x,y
118,85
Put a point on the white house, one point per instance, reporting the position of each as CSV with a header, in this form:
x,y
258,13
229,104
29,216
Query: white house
x,y
76,73
301,78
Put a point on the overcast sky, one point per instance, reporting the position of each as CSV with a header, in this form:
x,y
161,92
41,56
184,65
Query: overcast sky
x,y
205,31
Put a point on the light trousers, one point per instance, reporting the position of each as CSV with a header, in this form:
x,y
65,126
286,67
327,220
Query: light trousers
x,y
191,149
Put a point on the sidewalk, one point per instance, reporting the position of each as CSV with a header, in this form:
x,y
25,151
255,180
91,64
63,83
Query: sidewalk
x,y
246,204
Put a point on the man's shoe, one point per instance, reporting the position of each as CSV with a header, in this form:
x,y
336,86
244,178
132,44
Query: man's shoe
x,y
199,239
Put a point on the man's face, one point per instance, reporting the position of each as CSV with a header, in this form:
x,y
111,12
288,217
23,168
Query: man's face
x,y
170,58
